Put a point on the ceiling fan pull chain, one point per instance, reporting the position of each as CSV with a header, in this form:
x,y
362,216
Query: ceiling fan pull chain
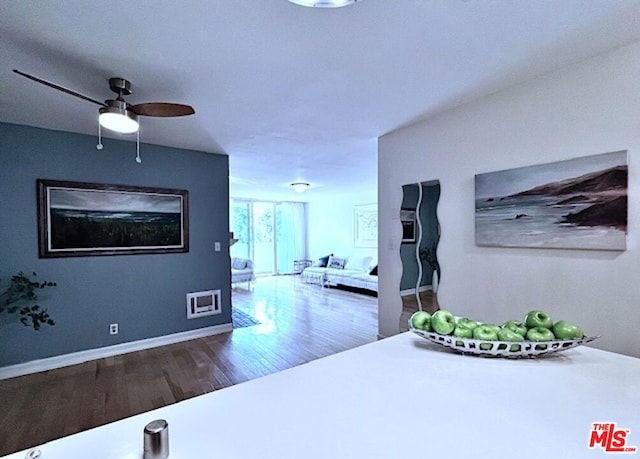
x,y
138,159
99,146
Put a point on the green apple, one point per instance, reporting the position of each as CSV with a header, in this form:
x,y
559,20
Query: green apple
x,y
462,331
421,320
535,319
509,335
506,334
540,334
467,323
493,327
485,333
443,322
565,330
515,326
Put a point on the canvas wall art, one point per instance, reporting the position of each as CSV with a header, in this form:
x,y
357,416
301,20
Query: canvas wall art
x,y
574,204
365,225
83,219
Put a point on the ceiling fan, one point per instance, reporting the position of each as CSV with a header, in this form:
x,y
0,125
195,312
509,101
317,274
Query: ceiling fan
x,y
116,114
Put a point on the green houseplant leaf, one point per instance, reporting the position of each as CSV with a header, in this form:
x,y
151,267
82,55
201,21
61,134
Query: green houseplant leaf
x,y
16,299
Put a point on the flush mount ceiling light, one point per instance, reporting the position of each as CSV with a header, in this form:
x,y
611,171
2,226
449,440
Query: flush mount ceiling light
x,y
324,3
299,187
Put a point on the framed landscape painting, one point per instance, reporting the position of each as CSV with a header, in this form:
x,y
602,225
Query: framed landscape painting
x,y
574,204
87,219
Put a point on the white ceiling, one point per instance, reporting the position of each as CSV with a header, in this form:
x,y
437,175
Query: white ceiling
x,y
289,93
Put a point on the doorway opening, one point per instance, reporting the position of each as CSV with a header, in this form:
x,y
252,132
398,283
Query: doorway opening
x,y
271,234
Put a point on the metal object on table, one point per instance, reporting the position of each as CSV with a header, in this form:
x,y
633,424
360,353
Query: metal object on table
x,y
156,440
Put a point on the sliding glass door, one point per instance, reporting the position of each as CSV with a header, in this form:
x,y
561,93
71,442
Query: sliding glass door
x,y
271,234
240,218
263,240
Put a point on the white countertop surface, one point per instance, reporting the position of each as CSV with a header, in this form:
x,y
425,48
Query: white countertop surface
x,y
398,397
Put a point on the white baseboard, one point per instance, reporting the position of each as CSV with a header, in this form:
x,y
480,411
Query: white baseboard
x,y
74,358
412,291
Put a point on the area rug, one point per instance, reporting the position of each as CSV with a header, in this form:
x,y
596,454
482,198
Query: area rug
x,y
241,319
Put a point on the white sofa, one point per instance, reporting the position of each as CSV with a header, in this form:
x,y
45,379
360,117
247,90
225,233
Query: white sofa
x,y
242,270
348,271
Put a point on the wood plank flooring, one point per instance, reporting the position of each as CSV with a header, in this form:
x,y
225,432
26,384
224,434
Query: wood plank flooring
x,y
410,305
299,323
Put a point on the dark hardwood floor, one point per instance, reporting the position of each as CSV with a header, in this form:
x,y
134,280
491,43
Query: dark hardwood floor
x,y
410,305
299,323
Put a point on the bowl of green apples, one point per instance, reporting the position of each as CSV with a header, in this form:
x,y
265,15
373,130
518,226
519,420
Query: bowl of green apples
x,y
536,335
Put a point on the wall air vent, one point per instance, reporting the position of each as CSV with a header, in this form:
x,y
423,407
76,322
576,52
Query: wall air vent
x,y
201,304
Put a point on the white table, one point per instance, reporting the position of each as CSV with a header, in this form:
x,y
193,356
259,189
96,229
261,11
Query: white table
x,y
399,397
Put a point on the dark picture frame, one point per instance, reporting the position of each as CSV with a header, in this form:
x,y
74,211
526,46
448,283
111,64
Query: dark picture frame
x,y
78,219
408,221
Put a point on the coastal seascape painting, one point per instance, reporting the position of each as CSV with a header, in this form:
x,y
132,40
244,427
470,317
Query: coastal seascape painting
x,y
574,204
83,219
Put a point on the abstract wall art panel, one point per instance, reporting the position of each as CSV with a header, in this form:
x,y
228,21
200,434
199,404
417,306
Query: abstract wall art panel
x,y
365,225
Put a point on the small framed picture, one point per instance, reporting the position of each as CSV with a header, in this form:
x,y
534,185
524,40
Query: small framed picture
x,y
408,221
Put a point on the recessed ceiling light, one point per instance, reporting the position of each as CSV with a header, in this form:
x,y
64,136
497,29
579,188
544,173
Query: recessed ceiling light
x,y
324,3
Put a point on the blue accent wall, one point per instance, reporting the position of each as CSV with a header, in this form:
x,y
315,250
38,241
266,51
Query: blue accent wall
x,y
144,294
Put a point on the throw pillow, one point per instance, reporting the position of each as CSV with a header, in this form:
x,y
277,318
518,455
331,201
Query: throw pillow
x,y
374,271
336,262
372,264
324,261
358,263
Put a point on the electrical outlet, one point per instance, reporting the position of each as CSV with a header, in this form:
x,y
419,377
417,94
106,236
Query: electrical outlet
x,y
113,329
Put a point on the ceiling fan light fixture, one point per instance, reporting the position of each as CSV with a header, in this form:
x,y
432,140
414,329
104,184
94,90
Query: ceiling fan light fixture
x,y
118,119
324,3
299,187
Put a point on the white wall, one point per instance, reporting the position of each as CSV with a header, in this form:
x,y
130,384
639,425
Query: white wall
x,y
330,224
585,109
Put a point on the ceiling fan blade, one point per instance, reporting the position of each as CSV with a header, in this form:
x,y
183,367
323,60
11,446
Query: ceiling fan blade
x,y
161,109
59,88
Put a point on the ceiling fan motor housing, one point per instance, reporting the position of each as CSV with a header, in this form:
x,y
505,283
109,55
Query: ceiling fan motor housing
x,y
120,86
116,103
